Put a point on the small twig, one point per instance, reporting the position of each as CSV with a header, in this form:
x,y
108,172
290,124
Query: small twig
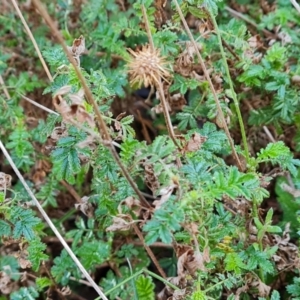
x,y
159,84
144,128
36,47
233,93
72,191
80,281
206,74
51,225
269,134
228,47
39,105
149,251
4,88
291,190
296,5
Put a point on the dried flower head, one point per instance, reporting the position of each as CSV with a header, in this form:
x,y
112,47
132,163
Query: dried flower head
x,y
147,67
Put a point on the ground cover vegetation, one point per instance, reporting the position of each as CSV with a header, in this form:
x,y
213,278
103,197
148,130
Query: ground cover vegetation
x,y
149,149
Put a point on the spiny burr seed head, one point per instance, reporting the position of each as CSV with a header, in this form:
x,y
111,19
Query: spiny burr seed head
x,y
147,67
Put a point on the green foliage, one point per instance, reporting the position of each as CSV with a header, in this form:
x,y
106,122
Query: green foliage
x,y
278,153
93,253
288,205
66,156
294,289
255,259
24,222
266,227
42,283
234,263
182,84
9,265
21,148
144,288
202,207
48,192
25,293
63,268
35,251
165,221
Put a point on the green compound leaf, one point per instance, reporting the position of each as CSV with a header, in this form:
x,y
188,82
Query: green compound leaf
x,y
5,229
25,294
36,255
24,222
145,288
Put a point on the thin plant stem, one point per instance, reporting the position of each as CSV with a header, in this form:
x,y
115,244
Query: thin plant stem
x,y
103,130
159,83
4,88
50,223
206,74
39,105
166,282
132,282
233,94
149,251
296,5
123,282
150,38
36,47
66,216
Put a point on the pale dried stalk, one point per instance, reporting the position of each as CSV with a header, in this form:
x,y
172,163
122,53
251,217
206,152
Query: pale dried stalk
x,y
51,225
159,84
4,88
206,74
296,5
36,47
39,105
73,122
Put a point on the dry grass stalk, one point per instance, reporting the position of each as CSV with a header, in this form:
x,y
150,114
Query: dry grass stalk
x,y
51,225
206,74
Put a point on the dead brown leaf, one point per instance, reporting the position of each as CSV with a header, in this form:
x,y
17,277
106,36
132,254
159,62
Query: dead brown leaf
x,y
287,255
151,179
5,283
190,262
65,291
77,49
22,257
177,102
263,289
165,194
119,224
132,203
76,110
167,292
85,207
195,142
5,181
